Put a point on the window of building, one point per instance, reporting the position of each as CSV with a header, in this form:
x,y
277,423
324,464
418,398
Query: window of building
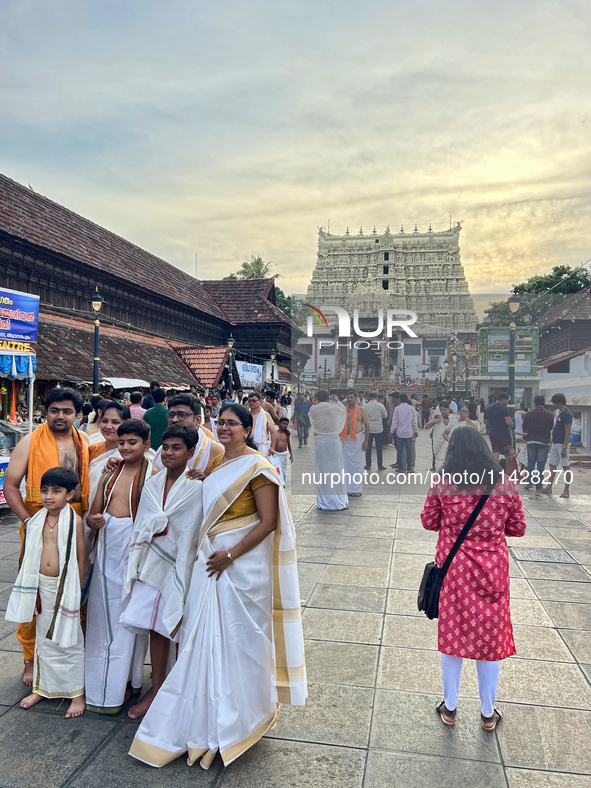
x,y
385,284
561,366
412,350
386,255
386,269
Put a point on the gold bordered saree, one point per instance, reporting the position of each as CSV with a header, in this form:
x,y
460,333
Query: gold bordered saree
x,y
241,646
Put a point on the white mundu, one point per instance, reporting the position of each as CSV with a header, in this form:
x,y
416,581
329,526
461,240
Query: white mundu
x,y
114,656
59,642
260,433
439,443
327,422
241,647
161,556
200,458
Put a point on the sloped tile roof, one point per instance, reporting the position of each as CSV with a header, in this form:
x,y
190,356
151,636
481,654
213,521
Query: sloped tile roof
x,y
206,363
40,221
65,351
576,307
246,300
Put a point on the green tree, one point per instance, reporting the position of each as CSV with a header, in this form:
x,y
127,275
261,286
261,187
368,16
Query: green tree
x,y
254,268
283,301
541,292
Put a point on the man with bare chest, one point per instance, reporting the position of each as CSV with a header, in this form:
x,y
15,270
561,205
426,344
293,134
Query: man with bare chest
x,y
57,443
354,439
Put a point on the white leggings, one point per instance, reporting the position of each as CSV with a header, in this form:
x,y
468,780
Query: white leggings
x,y
488,679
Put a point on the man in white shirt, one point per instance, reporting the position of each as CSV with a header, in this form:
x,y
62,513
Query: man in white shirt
x,y
406,425
375,413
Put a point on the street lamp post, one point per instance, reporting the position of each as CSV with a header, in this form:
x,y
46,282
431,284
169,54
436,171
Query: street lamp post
x,y
273,354
446,365
514,302
230,343
299,367
454,358
96,302
439,371
467,369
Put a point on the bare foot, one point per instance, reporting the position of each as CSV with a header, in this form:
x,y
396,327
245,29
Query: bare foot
x,y
28,674
142,707
127,695
565,494
547,490
30,700
77,707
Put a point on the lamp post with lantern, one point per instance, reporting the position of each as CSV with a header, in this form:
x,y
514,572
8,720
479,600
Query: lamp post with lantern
x,y
96,302
514,301
230,342
299,363
454,358
467,369
445,366
273,355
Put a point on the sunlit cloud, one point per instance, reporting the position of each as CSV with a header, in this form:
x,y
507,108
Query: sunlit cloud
x,y
240,129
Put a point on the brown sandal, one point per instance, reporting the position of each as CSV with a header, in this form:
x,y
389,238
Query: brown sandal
x,y
490,723
446,720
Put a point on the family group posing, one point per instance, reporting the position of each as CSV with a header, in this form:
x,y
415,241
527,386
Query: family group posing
x,y
190,550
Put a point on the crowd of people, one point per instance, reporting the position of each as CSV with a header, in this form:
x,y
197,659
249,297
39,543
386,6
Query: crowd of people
x,y
128,543
165,524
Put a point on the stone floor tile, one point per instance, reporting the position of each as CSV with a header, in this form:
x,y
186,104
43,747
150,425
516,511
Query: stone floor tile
x,y
408,722
538,737
333,662
586,670
532,541
12,688
579,642
529,612
407,561
424,771
333,714
112,767
544,683
5,590
521,589
313,555
403,602
339,597
569,615
379,560
540,643
324,541
7,628
366,544
409,579
363,528
356,576
278,763
544,570
342,625
420,548
309,574
8,549
410,632
379,513
416,535
526,778
8,569
42,751
581,557
562,591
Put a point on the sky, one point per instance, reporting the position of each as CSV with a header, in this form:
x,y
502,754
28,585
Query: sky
x,y
238,128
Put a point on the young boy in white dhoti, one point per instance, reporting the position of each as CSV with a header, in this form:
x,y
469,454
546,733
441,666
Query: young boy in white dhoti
x,y
114,656
162,553
282,448
48,589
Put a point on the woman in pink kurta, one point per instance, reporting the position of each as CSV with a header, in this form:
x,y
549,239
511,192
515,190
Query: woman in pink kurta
x,y
474,617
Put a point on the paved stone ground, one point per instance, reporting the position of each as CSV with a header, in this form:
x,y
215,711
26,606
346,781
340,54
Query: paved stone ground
x,y
373,670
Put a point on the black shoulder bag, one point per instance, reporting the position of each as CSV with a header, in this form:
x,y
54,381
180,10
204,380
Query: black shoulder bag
x,y
428,601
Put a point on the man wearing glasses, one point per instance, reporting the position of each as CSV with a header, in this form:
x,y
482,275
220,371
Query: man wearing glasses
x,y
186,409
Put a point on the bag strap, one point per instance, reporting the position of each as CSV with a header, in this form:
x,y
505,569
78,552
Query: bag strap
x,y
458,543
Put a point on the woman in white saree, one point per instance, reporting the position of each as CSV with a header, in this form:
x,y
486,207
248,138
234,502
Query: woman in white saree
x,y
241,642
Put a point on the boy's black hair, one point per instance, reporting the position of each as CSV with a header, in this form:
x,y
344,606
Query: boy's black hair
x,y
186,399
62,394
135,397
87,409
60,477
187,433
135,427
506,450
283,418
114,405
158,395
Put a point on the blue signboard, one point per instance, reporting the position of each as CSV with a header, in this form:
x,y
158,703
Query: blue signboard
x,y
19,319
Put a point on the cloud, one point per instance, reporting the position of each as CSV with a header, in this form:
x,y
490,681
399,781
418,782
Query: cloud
x,y
241,128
